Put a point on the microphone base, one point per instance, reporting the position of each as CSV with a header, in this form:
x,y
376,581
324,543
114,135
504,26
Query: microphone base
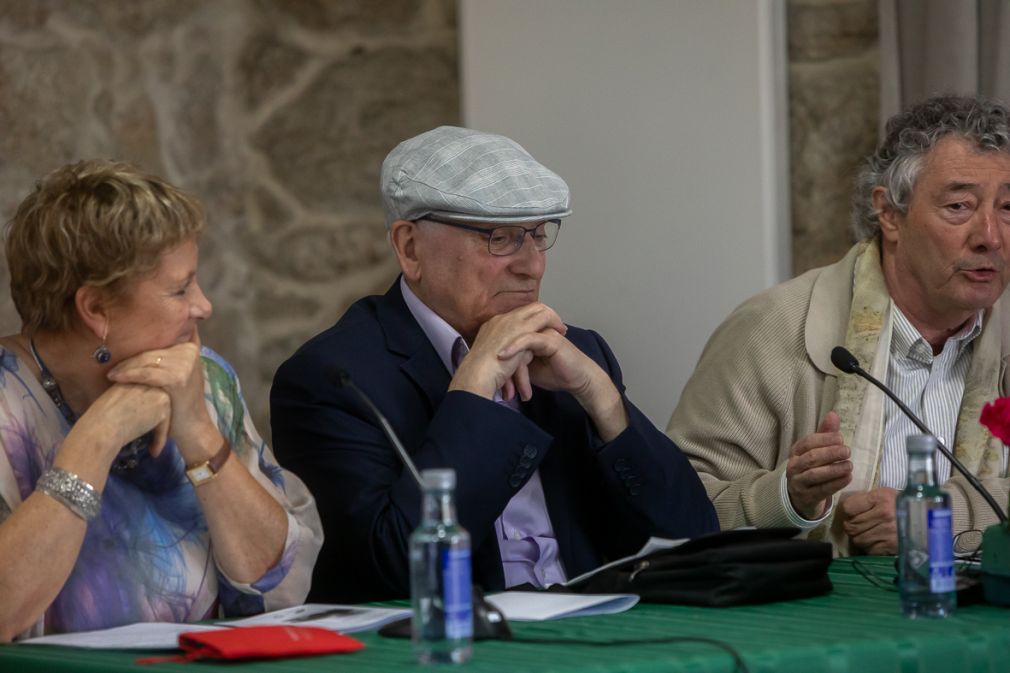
x,y
996,564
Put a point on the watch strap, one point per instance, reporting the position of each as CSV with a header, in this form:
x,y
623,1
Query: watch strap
x,y
201,473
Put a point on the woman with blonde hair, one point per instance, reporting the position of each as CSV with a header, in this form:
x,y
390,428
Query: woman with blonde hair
x,y
133,485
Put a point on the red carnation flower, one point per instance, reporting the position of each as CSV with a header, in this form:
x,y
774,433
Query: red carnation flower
x,y
996,417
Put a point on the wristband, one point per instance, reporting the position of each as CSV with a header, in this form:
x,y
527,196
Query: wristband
x,y
68,489
203,472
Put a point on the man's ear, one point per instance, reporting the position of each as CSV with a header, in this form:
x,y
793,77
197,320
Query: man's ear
x,y
890,219
403,236
92,305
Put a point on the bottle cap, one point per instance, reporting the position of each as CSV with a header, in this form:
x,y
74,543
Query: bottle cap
x,y
440,478
920,444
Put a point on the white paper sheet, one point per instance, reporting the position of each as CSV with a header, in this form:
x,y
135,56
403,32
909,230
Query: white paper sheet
x,y
534,606
165,635
141,636
517,605
651,545
343,618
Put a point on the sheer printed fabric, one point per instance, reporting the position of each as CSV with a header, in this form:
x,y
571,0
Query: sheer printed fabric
x,y
147,556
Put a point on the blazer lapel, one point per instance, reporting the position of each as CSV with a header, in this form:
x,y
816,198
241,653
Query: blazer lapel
x,y
421,364
405,338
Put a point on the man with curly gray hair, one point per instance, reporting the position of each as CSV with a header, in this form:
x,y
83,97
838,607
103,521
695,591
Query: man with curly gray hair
x,y
780,437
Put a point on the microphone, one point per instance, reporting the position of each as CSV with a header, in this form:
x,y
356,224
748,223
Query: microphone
x,y
847,363
343,380
488,621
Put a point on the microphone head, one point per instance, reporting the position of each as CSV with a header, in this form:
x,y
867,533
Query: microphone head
x,y
844,360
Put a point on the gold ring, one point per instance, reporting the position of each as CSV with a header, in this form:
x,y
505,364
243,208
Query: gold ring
x,y
157,361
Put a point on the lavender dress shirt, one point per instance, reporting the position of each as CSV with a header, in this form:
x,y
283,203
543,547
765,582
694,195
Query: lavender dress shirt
x,y
526,540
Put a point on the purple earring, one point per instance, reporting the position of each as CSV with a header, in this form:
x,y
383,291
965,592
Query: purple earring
x,y
102,354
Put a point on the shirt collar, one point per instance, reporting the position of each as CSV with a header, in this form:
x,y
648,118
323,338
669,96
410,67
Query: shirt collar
x,y
440,334
906,341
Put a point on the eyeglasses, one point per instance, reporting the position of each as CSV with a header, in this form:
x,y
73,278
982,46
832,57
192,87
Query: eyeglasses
x,y
506,239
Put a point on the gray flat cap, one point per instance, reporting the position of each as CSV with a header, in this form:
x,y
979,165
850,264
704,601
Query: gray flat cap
x,y
465,175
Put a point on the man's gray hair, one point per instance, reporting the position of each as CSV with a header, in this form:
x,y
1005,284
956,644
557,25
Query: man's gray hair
x,y
910,136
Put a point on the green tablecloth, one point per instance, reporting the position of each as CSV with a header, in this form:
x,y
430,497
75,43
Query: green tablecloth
x,y
858,628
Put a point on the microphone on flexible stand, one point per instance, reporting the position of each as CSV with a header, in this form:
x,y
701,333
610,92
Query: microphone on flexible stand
x,y
488,621
343,380
847,362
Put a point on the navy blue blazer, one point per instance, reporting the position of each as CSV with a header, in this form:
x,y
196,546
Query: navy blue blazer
x,y
604,499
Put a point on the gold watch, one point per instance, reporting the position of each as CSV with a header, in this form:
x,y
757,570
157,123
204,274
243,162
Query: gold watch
x,y
201,473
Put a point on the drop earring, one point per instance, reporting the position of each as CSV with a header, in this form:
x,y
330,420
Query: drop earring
x,y
102,354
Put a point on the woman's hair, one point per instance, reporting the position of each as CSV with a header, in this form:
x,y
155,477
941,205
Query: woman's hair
x,y
97,223
909,138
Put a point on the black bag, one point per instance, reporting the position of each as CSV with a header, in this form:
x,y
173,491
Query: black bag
x,y
735,567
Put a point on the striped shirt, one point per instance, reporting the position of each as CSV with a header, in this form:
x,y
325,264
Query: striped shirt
x,y
931,385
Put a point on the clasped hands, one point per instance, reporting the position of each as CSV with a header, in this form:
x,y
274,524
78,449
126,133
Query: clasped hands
x,y
526,347
819,466
162,390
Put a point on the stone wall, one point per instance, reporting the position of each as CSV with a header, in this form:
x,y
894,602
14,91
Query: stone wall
x,y
833,119
276,113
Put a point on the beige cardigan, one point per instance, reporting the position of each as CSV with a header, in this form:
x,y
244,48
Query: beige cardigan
x,y
765,379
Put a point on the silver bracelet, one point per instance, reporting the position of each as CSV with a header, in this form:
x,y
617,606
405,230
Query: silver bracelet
x,y
79,496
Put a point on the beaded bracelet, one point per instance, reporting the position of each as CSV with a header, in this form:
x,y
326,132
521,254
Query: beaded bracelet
x,y
77,495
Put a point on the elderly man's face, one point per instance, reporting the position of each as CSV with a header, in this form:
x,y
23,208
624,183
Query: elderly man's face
x,y
467,285
951,251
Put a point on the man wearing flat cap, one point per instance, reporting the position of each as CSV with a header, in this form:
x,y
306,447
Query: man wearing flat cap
x,y
557,471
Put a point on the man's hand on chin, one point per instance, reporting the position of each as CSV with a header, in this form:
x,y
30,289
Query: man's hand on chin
x,y
484,373
556,364
526,346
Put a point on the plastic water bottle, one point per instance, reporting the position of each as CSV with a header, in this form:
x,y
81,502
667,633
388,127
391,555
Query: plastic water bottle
x,y
440,590
926,578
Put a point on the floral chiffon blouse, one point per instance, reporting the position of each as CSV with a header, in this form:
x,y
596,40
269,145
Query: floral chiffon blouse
x,y
148,555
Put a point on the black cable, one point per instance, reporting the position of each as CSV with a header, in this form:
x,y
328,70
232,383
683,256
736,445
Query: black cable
x,y
725,647
968,577
870,575
974,556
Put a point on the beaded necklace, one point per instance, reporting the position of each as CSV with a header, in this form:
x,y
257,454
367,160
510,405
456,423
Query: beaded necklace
x,y
128,456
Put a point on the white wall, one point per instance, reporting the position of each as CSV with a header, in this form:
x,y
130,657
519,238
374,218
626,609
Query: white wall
x,y
667,119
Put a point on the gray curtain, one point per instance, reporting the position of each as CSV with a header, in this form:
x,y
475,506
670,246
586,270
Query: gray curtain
x,y
942,46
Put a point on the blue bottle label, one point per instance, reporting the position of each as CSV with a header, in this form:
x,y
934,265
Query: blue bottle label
x,y
457,587
941,551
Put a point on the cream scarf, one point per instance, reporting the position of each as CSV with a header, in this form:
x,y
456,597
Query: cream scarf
x,y
860,406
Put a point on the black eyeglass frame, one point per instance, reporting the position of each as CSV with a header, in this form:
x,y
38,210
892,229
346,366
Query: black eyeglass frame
x,y
489,232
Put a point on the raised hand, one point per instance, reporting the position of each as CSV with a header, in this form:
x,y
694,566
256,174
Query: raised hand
x,y
818,467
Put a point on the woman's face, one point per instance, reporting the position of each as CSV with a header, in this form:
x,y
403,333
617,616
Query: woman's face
x,y
159,309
